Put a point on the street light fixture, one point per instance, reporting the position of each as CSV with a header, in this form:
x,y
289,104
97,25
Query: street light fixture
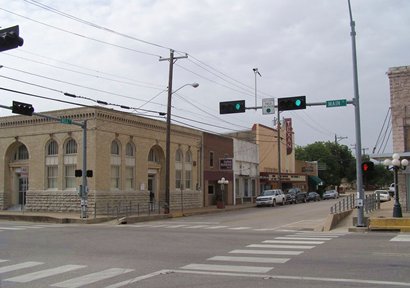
x,y
168,146
395,164
222,182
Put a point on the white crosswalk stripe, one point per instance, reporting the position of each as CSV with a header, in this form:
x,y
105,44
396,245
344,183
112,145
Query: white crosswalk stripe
x,y
44,273
293,242
228,268
249,259
92,278
19,266
401,238
266,252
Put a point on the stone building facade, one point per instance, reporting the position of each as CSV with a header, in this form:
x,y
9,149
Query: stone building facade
x,y
399,78
125,152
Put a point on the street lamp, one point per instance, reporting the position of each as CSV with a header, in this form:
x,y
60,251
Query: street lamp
x,y
168,144
395,164
222,182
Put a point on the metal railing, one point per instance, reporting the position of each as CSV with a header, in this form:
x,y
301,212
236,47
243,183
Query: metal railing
x,y
128,208
370,204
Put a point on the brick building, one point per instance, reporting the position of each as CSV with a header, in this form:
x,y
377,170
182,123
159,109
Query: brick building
x,y
39,157
399,78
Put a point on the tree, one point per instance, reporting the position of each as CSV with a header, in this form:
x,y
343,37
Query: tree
x,y
336,161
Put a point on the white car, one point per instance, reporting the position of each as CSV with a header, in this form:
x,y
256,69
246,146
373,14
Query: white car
x,y
330,194
383,194
271,198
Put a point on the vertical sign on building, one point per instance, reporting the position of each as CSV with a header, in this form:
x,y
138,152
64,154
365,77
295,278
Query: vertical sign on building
x,y
289,130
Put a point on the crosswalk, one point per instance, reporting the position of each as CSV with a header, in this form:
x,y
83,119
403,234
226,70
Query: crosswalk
x,y
20,227
401,238
260,258
205,226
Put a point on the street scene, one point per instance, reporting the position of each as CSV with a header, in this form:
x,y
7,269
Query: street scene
x,y
252,246
229,143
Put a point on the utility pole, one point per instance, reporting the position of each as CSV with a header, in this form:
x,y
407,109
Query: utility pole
x,y
279,156
339,138
171,60
359,176
256,71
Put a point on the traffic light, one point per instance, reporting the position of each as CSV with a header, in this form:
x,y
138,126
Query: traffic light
x,y
292,103
367,166
9,38
229,107
22,108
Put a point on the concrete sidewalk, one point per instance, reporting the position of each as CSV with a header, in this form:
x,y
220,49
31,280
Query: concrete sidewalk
x,y
74,217
378,220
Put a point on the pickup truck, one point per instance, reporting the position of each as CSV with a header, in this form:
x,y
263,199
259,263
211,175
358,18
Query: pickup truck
x,y
391,189
294,195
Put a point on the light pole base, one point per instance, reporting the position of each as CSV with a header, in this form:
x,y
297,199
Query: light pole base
x,y
397,210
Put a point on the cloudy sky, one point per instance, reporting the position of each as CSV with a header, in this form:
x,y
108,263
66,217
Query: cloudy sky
x,y
109,50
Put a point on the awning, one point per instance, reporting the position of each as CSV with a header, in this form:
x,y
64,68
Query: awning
x,y
315,180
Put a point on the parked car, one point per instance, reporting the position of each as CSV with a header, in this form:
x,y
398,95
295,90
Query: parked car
x,y
295,195
271,198
383,194
313,196
330,194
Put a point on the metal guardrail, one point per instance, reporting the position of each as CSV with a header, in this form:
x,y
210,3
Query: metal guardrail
x,y
370,203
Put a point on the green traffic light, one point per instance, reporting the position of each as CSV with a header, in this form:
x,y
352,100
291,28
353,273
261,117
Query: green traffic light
x,y
298,102
238,106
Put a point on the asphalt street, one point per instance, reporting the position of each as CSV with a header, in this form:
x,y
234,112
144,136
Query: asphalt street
x,y
260,247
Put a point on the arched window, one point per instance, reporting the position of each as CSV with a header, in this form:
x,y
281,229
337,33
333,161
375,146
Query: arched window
x,y
52,164
21,153
130,166
188,170
153,156
70,163
115,165
178,169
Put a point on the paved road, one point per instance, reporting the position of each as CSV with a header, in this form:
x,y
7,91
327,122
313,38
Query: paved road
x,y
261,247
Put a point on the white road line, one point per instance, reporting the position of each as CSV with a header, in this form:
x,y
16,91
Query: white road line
x,y
19,266
216,227
3,260
293,242
401,238
264,229
29,227
196,226
12,228
280,246
266,252
330,234
92,278
299,278
249,259
139,278
228,268
44,273
303,238
239,228
175,226
136,225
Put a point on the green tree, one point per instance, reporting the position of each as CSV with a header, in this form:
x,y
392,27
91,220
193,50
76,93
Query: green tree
x,y
335,161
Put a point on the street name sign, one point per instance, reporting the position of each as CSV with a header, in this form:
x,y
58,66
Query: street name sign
x,y
336,103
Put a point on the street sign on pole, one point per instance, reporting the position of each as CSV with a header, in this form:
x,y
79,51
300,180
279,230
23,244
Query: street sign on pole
x,y
336,103
268,106
66,121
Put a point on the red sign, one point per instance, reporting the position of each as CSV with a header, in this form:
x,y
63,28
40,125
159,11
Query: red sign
x,y
289,140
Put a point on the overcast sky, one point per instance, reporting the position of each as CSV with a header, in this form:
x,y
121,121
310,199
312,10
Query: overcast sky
x,y
109,50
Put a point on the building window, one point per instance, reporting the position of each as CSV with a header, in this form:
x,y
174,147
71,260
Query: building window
x,y
52,164
70,163
188,170
130,166
153,156
246,186
69,176
178,169
211,159
71,147
21,153
115,165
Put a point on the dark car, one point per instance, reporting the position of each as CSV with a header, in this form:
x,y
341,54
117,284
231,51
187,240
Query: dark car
x,y
294,195
313,196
